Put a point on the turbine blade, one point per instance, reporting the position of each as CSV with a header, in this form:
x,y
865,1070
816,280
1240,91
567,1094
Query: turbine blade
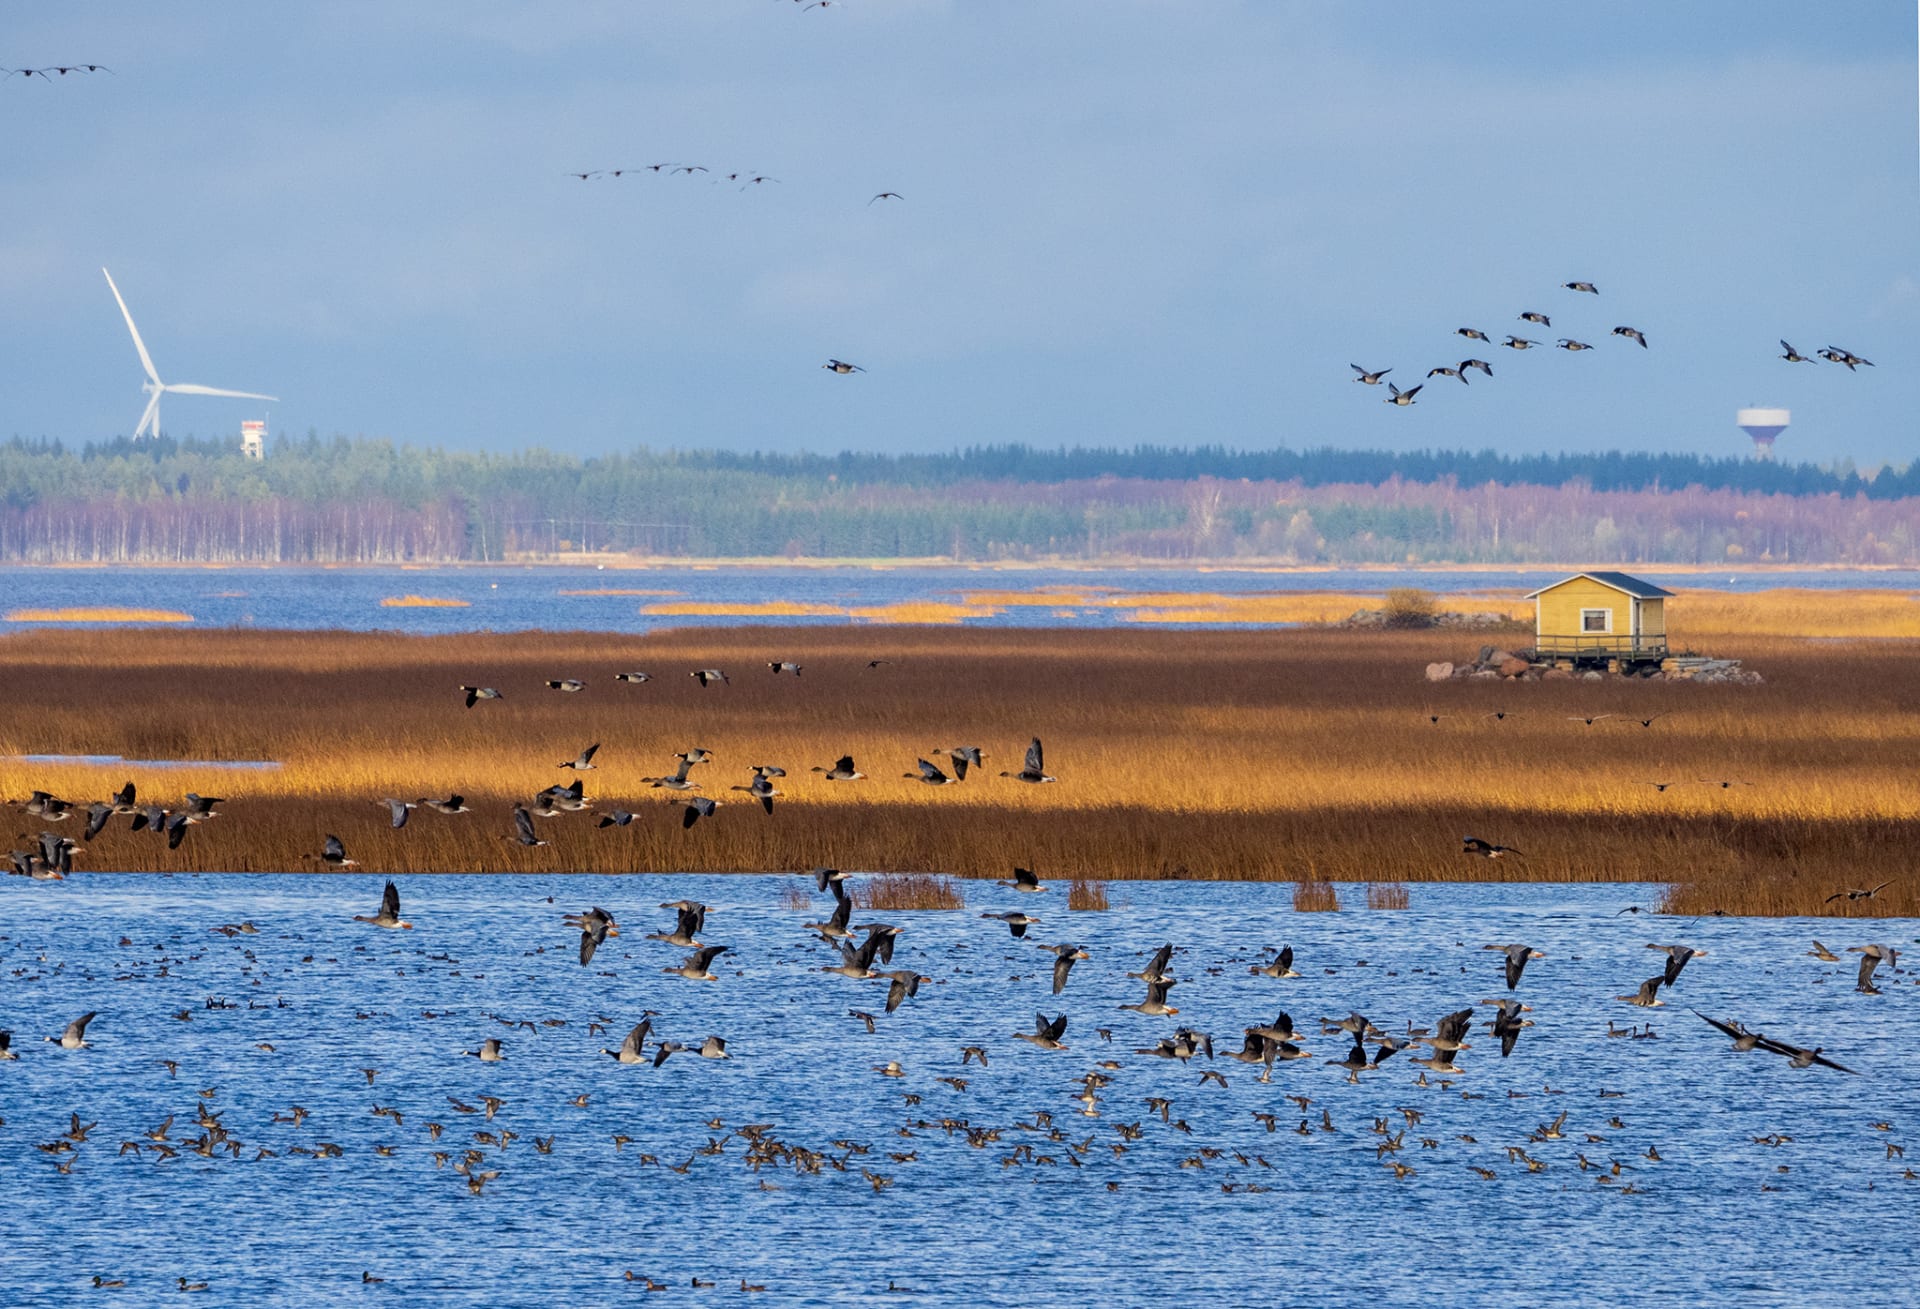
x,y
146,360
189,388
150,418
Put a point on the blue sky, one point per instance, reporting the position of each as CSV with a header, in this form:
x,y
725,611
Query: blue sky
x,y
1139,220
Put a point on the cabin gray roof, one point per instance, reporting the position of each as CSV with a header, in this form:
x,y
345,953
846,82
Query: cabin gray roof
x,y
1633,586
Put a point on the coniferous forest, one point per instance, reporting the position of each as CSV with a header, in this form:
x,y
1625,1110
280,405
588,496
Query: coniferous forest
x,y
374,501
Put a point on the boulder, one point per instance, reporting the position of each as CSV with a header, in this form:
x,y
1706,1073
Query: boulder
x,y
1496,656
1512,667
1439,672
1485,656
1483,672
1593,675
1558,674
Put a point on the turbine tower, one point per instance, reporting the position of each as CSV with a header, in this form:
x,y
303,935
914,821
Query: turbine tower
x,y
150,419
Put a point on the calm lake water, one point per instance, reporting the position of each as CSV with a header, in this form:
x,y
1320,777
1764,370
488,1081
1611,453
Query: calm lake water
x,y
1827,1217
525,598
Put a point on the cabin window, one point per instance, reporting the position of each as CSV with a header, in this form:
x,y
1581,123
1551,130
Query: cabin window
x,y
1596,620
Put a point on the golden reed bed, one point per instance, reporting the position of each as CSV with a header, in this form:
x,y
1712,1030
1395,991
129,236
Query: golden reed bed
x,y
1303,756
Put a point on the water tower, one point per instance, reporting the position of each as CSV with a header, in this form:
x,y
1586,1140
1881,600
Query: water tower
x,y
1763,425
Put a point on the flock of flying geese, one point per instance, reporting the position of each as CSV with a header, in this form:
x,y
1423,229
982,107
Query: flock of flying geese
x,y
1458,372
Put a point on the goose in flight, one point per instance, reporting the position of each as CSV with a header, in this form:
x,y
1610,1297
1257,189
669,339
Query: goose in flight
x,y
677,779
1471,333
1647,997
1677,957
1155,1005
1403,398
841,366
631,1048
1355,1063
1034,768
1507,1024
595,926
780,666
1024,879
1282,965
1743,1040
453,804
835,928
842,770
523,831
885,195
75,1035
332,854
1871,957
1454,373
1481,364
761,788
707,676
1016,922
389,915
1588,287
1473,845
1633,334
1792,356
1064,957
398,809
694,966
1853,895
1156,969
901,985
1531,317
581,762
1568,343
475,694
714,1047
1847,357
1371,379
930,774
962,756
1519,343
1822,953
6,1046
1517,957
489,1052
568,684
1046,1032
634,678
690,920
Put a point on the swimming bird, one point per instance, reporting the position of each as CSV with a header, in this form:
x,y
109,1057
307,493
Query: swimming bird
x,y
707,676
630,1051
489,1051
1370,379
478,693
1403,398
1034,768
1588,287
698,807
595,926
389,915
398,809
1632,334
1017,922
1517,957
841,366
581,762
75,1035
1281,966
453,804
1677,957
568,684
929,773
694,966
1473,845
842,770
333,854
1064,957
1793,356
523,828
1046,1032
1024,879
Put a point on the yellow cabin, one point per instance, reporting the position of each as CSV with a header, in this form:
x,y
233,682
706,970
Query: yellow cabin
x,y
1596,616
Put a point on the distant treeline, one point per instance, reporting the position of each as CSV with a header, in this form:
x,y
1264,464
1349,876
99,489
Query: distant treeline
x,y
374,501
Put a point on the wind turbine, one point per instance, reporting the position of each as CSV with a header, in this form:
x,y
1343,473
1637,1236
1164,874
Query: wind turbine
x,y
150,420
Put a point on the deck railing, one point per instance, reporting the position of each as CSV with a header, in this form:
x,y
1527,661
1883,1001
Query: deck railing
x,y
1601,645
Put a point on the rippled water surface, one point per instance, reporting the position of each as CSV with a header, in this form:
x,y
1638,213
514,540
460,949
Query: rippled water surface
x,y
503,598
1208,1207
